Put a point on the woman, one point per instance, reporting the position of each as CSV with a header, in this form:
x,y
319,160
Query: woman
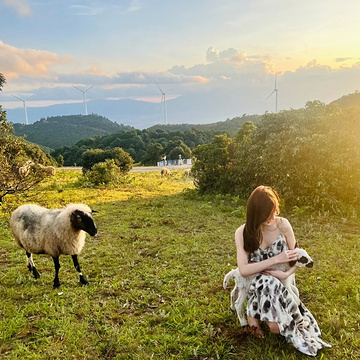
x,y
263,241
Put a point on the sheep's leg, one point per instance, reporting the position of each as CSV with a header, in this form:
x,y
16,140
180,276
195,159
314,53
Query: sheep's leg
x,y
57,282
77,267
31,265
233,297
239,307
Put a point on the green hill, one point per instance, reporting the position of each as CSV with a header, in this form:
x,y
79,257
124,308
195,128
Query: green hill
x,y
57,131
229,126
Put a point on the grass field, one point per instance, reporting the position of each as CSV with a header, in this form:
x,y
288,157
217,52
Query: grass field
x,y
155,271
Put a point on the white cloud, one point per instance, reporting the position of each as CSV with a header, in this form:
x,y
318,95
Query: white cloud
x,y
20,6
230,54
231,76
87,10
16,62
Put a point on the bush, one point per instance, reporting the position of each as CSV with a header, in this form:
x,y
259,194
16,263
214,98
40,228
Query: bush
x,y
121,158
104,173
311,156
212,163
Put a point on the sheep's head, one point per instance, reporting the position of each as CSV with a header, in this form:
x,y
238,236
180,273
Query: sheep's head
x,y
81,220
304,259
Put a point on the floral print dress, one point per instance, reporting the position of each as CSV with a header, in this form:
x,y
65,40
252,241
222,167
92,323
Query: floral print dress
x,y
269,300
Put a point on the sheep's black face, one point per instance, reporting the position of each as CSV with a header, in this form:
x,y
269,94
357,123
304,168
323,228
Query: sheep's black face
x,y
306,261
83,221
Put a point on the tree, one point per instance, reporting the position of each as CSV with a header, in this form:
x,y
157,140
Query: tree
x,y
176,148
14,153
153,154
2,81
212,163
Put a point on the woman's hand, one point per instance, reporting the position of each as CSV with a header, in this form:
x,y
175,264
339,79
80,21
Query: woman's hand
x,y
286,256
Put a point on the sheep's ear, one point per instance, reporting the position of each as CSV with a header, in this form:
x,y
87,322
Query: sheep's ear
x,y
76,217
79,213
94,211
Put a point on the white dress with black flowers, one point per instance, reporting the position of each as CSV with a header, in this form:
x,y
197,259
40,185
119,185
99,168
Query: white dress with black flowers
x,y
269,300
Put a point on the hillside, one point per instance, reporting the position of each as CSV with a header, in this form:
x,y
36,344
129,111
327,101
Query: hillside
x,y
348,100
57,131
229,126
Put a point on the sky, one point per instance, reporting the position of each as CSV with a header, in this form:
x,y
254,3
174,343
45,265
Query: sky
x,y
215,49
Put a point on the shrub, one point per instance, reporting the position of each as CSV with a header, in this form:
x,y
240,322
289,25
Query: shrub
x,y
121,158
311,156
104,173
212,163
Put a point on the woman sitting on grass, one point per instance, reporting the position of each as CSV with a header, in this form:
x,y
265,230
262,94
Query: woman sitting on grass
x,y
263,241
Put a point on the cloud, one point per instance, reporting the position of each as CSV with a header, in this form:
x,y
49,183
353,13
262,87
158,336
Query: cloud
x,y
16,62
232,80
20,6
342,59
97,8
230,54
86,10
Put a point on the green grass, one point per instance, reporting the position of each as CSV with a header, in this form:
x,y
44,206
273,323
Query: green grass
x,y
155,271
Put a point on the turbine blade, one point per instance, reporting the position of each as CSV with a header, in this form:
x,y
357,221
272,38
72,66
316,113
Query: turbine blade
x,y
270,94
159,87
89,88
17,97
78,88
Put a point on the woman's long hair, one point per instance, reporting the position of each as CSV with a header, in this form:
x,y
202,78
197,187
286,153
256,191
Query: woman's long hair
x,y
262,204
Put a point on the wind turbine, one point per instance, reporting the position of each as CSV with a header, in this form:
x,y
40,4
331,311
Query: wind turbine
x,y
84,96
276,95
163,97
25,110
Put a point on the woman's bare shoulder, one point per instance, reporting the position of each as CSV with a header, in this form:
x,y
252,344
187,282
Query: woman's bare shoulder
x,y
283,224
240,229
239,233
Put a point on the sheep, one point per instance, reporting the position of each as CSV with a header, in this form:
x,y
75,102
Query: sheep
x,y
25,169
53,232
166,172
187,172
239,293
50,170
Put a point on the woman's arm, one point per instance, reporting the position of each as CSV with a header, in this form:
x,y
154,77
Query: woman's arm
x,y
246,269
281,275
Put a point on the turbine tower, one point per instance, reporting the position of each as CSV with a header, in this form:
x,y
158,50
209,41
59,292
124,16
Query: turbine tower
x,y
84,96
163,97
276,95
24,104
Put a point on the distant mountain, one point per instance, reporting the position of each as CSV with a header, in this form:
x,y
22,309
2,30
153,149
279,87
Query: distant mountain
x,y
57,131
348,100
142,114
139,114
